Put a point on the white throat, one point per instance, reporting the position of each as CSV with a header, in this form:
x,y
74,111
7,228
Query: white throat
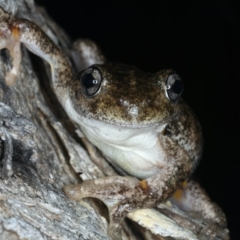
x,y
135,150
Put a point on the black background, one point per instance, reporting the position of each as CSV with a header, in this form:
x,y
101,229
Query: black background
x,y
201,41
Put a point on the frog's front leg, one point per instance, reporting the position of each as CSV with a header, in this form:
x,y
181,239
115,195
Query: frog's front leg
x,y
118,194
124,194
13,32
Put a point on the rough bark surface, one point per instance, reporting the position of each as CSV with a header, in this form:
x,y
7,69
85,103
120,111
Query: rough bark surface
x,y
33,205
40,144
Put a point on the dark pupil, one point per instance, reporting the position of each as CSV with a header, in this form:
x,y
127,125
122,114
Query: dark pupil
x,y
177,87
89,81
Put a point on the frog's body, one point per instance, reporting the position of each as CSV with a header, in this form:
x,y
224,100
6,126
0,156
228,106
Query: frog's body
x,y
133,107
138,120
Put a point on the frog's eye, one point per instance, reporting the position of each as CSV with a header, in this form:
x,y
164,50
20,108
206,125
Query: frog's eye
x,y
174,87
91,81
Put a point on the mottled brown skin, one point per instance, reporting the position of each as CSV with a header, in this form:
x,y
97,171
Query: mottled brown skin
x,y
130,119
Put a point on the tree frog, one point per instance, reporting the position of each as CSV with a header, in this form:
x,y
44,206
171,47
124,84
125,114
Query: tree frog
x,y
137,119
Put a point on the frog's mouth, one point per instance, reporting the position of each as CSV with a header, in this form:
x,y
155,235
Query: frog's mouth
x,y
133,123
131,116
90,120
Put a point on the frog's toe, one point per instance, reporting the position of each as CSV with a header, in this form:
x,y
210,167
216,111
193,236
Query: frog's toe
x,y
73,192
10,78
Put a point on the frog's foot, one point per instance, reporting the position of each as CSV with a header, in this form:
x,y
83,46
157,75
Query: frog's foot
x,y
10,39
120,194
191,198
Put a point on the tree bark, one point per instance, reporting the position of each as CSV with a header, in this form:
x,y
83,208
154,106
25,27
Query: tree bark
x,y
33,205
41,152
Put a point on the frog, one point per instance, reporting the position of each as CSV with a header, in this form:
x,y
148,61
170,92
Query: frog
x,y
138,120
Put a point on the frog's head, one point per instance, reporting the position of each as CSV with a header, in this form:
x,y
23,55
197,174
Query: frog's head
x,y
124,95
